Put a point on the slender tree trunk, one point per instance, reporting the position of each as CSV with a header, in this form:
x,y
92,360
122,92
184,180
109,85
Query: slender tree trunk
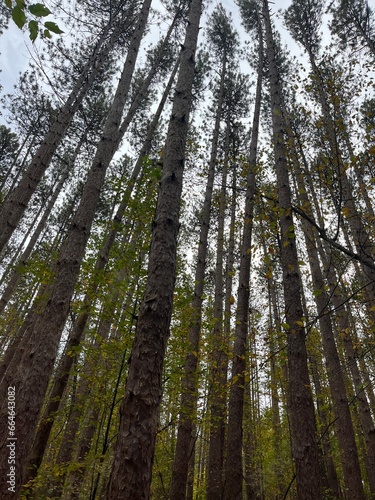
x,y
16,252
367,383
30,370
108,426
233,464
76,335
363,242
276,380
190,383
303,430
343,422
17,274
24,159
135,446
218,357
330,478
338,297
344,330
92,411
16,203
251,442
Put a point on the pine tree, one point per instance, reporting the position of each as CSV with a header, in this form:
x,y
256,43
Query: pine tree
x,y
131,477
233,465
303,429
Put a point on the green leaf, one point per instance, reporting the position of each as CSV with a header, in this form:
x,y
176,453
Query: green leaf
x,y
8,3
39,10
53,27
47,34
18,16
317,292
33,28
21,4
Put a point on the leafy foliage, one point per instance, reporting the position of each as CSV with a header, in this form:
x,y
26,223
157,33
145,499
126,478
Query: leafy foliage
x,y
21,12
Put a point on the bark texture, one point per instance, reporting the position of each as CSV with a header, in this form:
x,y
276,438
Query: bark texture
x,y
134,449
77,332
32,365
218,358
302,419
343,421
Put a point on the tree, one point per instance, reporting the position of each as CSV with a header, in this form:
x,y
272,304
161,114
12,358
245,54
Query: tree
x,y
353,23
8,152
209,256
78,330
185,437
303,430
15,205
131,477
29,366
233,464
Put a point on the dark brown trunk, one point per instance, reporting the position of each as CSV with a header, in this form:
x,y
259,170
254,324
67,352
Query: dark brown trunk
x,y
233,464
302,419
218,358
134,449
76,335
343,421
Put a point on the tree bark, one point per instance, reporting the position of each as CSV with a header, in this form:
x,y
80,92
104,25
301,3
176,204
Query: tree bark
x,y
30,369
190,389
233,464
134,449
302,419
218,359
16,203
77,332
16,275
343,422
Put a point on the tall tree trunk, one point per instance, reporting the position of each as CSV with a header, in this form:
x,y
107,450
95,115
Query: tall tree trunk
x,y
329,477
343,422
338,298
16,203
363,242
77,332
233,464
30,369
14,163
190,383
275,327
303,430
134,449
218,359
16,275
92,411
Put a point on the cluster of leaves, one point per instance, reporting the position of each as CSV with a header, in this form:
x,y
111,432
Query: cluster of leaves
x,y
31,15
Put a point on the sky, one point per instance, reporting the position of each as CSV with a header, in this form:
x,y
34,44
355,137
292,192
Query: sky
x,y
14,56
